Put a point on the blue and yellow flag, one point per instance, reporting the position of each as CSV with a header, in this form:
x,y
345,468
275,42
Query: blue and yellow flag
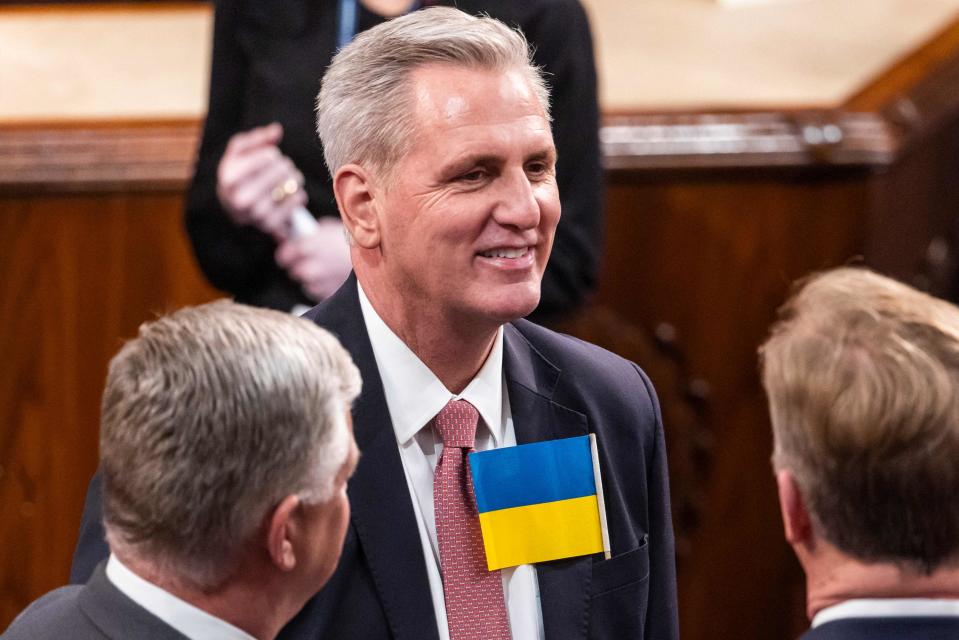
x,y
539,501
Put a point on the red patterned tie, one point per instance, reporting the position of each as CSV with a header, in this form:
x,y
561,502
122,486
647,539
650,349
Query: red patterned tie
x,y
475,608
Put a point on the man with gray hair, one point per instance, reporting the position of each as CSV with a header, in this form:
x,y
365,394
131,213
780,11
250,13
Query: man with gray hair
x,y
225,447
862,375
436,131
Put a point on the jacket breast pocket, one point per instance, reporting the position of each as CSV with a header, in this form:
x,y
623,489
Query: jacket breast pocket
x,y
619,590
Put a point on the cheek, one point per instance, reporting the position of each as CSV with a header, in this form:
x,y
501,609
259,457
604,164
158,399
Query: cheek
x,y
334,529
549,205
344,518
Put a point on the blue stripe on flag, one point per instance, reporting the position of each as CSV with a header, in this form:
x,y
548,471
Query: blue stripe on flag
x,y
532,473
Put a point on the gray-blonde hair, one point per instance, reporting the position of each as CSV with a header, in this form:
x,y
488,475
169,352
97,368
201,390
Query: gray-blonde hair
x,y
210,417
862,375
365,108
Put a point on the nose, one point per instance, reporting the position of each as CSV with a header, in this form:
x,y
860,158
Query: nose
x,y
517,205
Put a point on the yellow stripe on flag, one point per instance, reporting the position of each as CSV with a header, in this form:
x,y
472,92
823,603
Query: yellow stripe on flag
x,y
540,532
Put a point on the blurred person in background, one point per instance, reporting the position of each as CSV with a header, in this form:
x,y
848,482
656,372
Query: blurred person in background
x,y
862,375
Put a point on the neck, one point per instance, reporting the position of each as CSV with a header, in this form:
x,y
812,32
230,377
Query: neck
x,y
835,577
250,600
453,347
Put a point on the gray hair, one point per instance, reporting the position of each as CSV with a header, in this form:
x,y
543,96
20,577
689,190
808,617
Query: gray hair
x,y
210,417
365,108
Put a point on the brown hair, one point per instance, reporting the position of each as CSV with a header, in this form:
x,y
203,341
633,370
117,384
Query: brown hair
x,y
862,375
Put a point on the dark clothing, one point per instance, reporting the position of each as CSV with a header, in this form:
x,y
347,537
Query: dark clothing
x,y
558,387
268,58
911,628
94,611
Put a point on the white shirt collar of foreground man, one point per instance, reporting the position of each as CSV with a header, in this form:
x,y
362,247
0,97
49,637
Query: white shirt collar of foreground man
x,y
888,608
414,395
192,622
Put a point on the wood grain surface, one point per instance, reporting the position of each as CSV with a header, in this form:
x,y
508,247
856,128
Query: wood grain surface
x,y
78,274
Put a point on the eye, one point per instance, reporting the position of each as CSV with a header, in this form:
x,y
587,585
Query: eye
x,y
538,170
475,175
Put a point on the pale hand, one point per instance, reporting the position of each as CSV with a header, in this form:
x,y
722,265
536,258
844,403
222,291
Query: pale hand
x,y
319,260
258,185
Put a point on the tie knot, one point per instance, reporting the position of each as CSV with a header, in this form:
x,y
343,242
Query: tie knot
x,y
456,423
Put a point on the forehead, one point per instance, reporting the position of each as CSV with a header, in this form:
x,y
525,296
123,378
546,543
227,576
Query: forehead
x,y
443,88
456,106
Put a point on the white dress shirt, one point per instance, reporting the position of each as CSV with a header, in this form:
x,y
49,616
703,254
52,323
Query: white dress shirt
x,y
192,622
888,608
414,395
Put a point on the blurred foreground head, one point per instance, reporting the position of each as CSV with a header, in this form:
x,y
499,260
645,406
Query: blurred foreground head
x,y
862,376
217,420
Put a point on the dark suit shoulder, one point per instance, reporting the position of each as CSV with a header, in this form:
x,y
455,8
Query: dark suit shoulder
x,y
912,628
579,358
93,611
54,615
609,389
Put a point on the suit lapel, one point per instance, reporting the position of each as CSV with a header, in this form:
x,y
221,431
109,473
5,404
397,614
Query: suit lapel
x,y
382,510
530,381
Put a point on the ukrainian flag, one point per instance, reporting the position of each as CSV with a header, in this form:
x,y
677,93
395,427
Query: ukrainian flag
x,y
540,501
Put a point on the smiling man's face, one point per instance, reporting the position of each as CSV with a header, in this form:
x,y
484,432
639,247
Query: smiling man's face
x,y
469,218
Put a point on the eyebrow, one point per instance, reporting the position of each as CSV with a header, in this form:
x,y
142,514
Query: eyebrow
x,y
548,154
471,160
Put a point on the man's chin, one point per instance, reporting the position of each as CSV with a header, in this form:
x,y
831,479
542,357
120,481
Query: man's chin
x,y
514,306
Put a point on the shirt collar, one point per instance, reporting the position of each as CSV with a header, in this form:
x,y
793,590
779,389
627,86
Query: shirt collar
x,y
887,608
415,395
192,622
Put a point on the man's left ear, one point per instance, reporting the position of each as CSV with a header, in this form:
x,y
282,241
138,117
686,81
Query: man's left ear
x,y
796,520
281,531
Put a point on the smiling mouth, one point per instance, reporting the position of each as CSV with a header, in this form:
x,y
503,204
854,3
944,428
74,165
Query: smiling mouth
x,y
505,253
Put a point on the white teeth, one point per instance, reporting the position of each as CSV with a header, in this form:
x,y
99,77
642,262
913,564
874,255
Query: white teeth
x,y
504,253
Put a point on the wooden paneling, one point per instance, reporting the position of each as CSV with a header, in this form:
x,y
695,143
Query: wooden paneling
x,y
78,274
711,256
710,217
101,157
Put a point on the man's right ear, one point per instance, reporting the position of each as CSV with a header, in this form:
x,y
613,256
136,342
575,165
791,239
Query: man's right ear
x,y
281,532
796,519
353,188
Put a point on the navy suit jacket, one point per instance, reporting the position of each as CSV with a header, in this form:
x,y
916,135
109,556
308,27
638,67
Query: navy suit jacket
x,y
558,387
912,628
94,611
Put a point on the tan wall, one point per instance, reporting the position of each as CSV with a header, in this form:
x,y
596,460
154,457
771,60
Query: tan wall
x,y
128,62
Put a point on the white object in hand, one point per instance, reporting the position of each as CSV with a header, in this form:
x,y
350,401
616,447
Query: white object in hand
x,y
302,223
